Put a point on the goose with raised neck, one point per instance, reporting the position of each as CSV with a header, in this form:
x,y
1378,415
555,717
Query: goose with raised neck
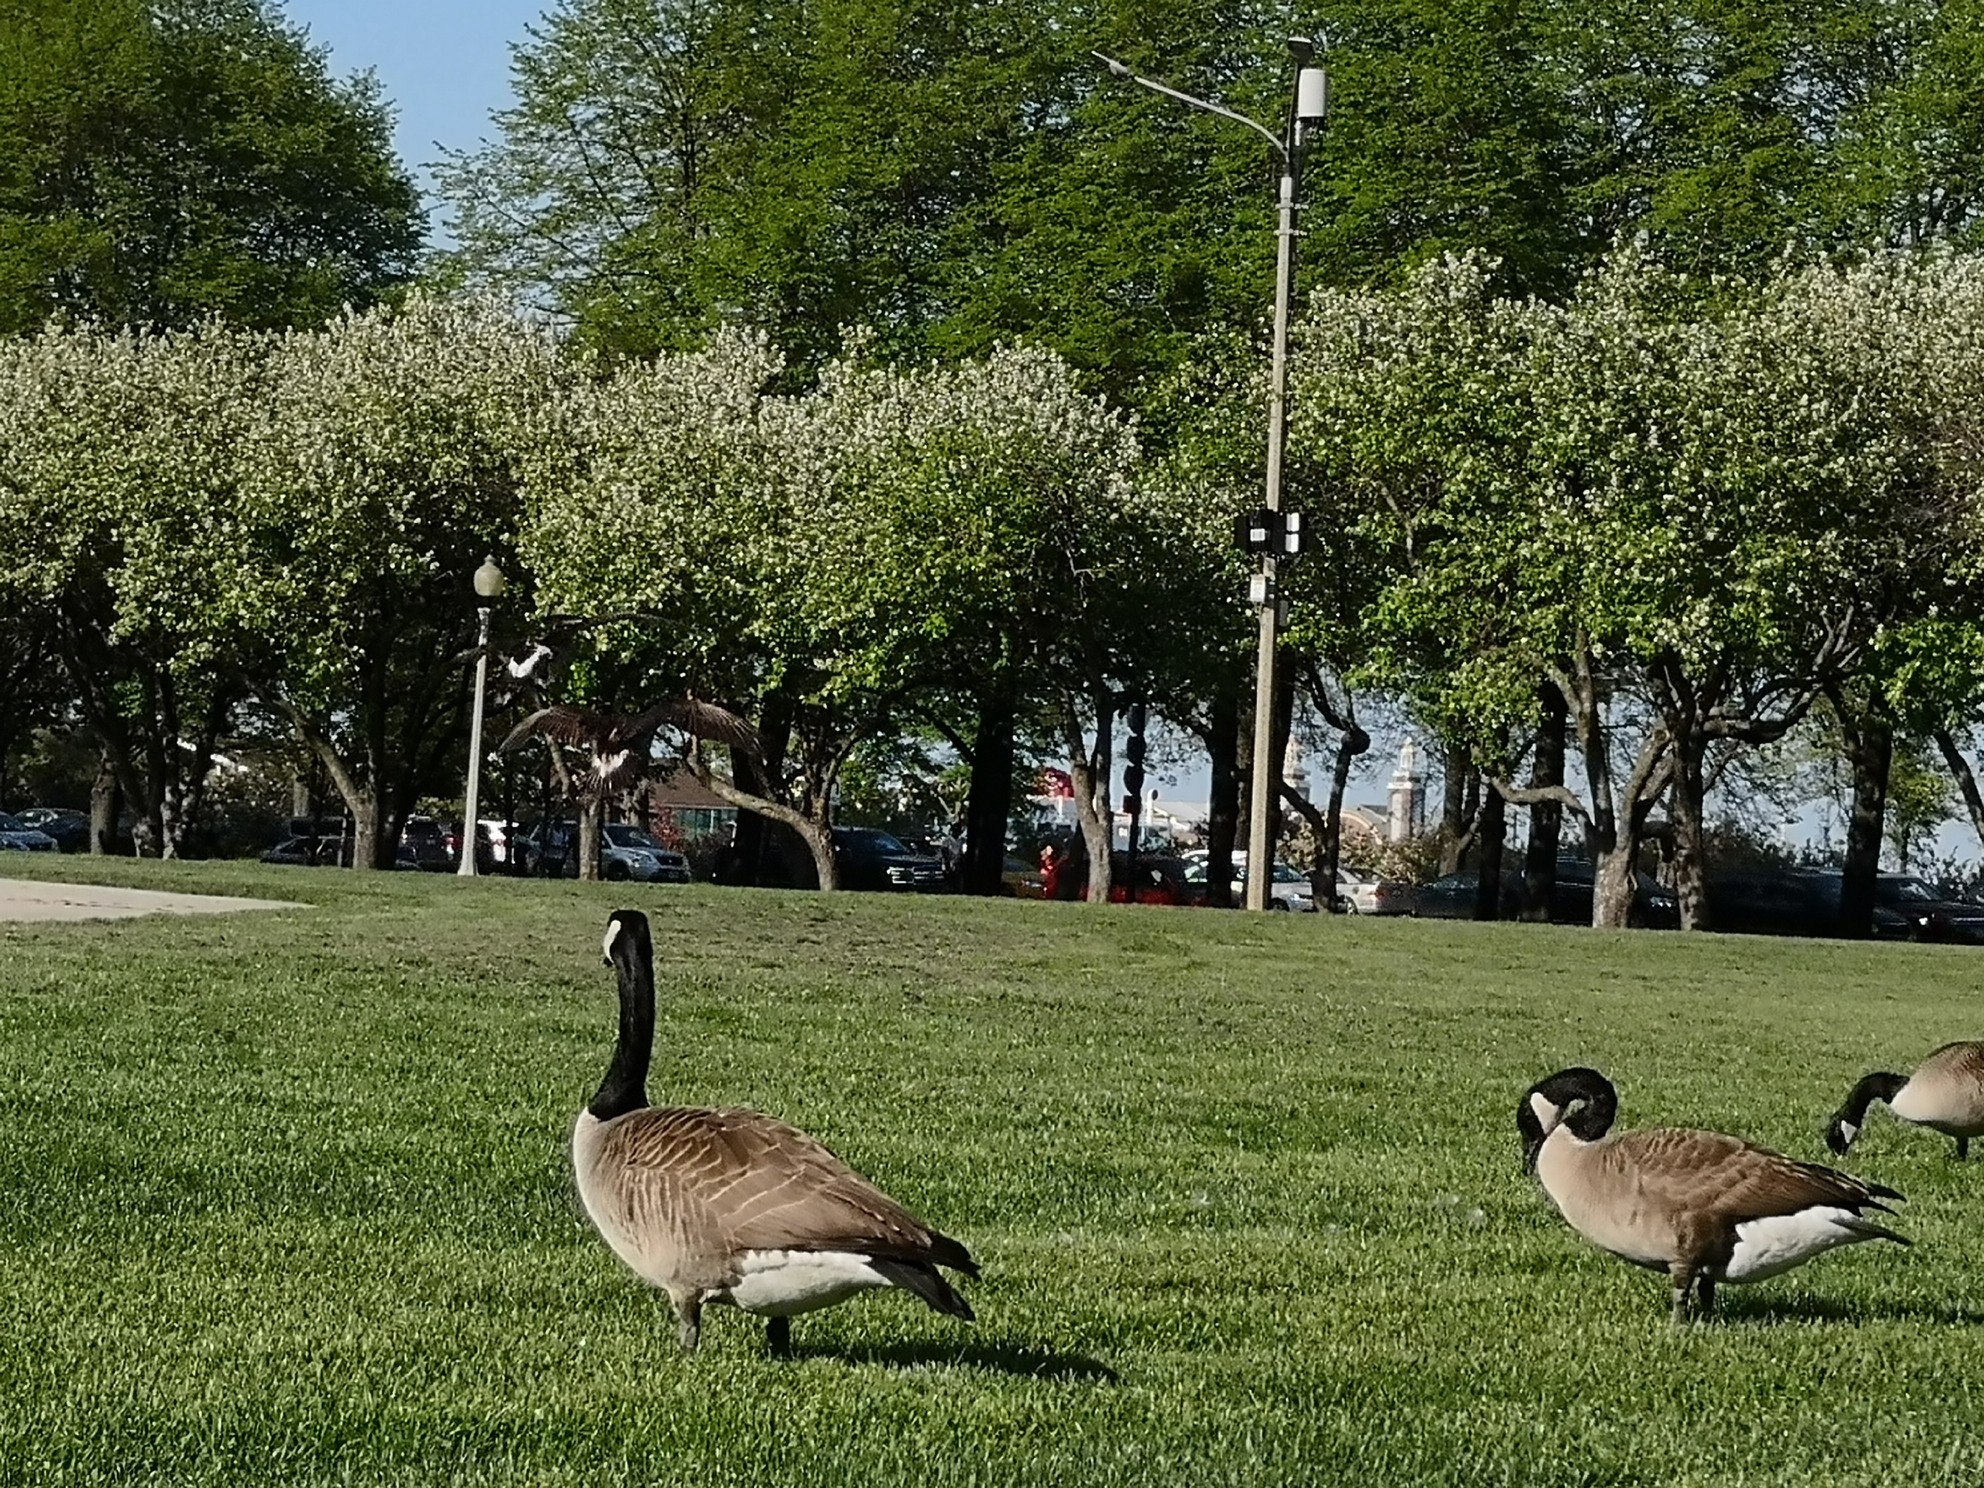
x,y
728,1206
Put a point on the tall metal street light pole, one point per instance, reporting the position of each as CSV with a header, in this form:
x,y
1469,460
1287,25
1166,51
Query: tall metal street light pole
x,y
489,588
1306,114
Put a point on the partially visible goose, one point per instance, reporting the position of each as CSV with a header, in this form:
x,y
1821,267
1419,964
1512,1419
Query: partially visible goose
x,y
1945,1094
1701,1206
731,1206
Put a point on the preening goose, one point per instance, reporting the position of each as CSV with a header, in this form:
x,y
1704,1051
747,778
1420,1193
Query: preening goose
x,y
1701,1206
731,1206
1945,1094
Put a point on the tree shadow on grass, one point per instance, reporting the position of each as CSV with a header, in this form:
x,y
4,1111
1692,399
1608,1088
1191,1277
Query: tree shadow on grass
x,y
1014,1356
1763,1310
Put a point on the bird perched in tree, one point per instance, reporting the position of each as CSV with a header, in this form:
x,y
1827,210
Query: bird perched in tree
x,y
619,742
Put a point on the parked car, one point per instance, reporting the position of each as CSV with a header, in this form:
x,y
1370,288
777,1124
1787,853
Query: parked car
x,y
1359,892
1791,901
70,828
297,852
424,845
627,852
1574,886
1453,897
1023,880
1936,916
868,858
1289,889
1158,878
18,836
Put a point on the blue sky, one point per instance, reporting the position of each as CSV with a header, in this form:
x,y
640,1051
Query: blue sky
x,y
444,64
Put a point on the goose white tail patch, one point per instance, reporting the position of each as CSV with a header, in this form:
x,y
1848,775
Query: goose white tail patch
x,y
1765,1247
780,1283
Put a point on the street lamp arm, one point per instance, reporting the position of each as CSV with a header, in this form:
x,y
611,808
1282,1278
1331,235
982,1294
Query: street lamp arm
x,y
1122,70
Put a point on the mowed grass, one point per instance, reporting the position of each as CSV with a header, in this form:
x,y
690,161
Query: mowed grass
x,y
284,1197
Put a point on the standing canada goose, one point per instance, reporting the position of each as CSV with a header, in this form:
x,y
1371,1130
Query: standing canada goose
x,y
1701,1206
1945,1094
731,1206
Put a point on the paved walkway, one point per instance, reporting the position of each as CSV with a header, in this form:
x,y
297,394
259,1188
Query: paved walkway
x,y
22,899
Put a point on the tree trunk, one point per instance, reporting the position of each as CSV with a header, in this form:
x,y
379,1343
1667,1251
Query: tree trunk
x,y
592,816
1491,834
1869,737
1613,881
1223,793
103,806
363,804
817,835
990,804
1459,791
1089,771
1966,780
1546,818
1684,813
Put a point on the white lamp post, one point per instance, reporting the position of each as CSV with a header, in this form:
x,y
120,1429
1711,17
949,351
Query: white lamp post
x,y
1311,105
489,588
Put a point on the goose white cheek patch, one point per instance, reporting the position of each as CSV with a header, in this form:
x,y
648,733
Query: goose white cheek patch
x,y
1546,1113
612,934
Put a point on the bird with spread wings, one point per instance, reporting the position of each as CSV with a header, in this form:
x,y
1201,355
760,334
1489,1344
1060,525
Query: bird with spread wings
x,y
619,743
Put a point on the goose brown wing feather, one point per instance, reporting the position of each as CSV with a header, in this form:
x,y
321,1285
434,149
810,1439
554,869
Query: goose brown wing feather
x,y
753,1183
704,720
1964,1058
563,722
1715,1174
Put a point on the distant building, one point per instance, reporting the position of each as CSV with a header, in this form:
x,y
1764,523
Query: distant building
x,y
1406,813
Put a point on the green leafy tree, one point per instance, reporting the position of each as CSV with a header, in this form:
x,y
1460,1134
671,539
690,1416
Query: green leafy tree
x,y
164,161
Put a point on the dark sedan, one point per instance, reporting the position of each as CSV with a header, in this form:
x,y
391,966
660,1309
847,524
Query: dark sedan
x,y
1793,901
1454,897
70,828
872,859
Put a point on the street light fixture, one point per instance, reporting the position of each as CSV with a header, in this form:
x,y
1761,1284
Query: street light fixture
x,y
489,588
1306,115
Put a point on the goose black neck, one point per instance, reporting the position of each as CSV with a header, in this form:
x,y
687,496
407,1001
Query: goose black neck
x,y
1880,1086
625,1087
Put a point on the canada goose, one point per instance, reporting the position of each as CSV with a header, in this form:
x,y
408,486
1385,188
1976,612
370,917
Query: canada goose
x,y
619,743
1702,1206
1945,1094
731,1206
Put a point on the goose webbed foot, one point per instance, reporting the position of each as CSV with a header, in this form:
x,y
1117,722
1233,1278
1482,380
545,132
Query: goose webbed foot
x,y
778,1337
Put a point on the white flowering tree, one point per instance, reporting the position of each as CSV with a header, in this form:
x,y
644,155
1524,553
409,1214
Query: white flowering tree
x,y
118,486
378,473
1688,520
824,562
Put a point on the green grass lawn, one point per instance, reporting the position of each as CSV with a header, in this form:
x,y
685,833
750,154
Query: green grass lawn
x,y
284,1197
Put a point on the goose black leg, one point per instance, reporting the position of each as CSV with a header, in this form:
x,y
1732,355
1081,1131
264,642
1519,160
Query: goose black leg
x,y
778,1337
1683,1280
1705,1295
1962,1148
689,1323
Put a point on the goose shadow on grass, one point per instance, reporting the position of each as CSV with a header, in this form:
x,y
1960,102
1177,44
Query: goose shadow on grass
x,y
1764,1310
1020,1357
